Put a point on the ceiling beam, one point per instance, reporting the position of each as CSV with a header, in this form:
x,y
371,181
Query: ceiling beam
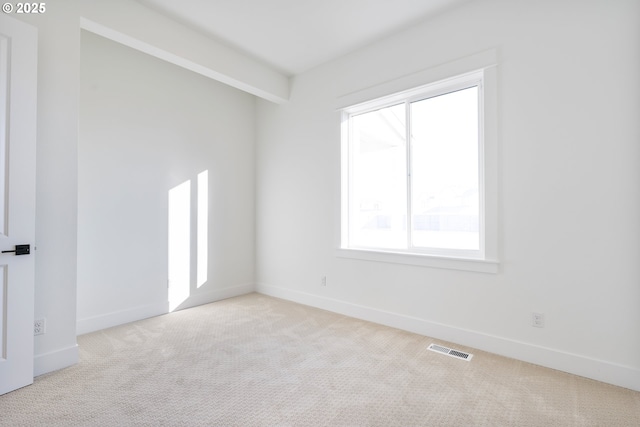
x,y
134,25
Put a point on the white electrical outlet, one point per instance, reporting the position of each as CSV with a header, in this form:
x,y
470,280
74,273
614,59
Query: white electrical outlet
x,y
323,281
537,320
39,326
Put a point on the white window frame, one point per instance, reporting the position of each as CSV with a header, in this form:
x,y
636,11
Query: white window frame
x,y
453,76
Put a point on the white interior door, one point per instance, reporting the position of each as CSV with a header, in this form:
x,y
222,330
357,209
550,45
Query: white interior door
x,y
18,78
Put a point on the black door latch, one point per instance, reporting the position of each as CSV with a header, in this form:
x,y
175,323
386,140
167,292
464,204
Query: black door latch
x,y
20,250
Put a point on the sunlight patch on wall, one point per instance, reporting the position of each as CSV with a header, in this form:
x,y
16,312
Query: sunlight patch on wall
x,y
203,228
179,244
181,235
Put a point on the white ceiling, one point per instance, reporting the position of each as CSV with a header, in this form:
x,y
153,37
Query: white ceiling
x,y
294,36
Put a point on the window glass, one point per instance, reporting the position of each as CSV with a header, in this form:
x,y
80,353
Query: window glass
x,y
378,187
414,170
445,197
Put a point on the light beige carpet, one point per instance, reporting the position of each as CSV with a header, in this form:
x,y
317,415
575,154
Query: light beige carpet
x,y
261,361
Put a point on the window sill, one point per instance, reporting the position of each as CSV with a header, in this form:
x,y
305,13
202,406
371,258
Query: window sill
x,y
477,265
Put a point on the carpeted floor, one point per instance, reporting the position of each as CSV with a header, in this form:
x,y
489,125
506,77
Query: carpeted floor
x,y
260,361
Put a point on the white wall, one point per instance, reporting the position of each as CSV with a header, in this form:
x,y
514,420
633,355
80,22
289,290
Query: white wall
x,y
569,183
56,182
147,126
57,178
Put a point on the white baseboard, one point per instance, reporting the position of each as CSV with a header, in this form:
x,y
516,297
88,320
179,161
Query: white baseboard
x,y
97,323
599,370
217,295
103,321
55,360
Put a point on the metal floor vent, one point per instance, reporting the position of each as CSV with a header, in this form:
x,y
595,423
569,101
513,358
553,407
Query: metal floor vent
x,y
451,352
